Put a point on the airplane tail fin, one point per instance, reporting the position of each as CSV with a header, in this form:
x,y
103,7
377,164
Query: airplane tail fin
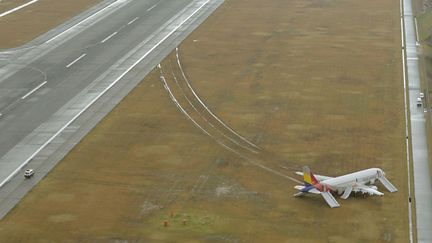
x,y
308,177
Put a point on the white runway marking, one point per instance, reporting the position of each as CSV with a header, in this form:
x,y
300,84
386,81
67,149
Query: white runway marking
x,y
133,20
76,60
100,94
416,29
18,8
407,138
90,17
34,90
109,37
152,7
402,33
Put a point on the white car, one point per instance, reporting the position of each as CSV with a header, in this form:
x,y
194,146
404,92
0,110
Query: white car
x,y
28,173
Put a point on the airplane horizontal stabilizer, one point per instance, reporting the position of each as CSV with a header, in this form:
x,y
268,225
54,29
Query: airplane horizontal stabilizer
x,y
387,184
310,190
298,187
299,173
330,200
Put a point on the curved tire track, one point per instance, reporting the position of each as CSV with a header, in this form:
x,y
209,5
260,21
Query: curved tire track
x,y
193,108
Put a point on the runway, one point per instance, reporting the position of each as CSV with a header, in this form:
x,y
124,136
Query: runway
x,y
56,88
420,160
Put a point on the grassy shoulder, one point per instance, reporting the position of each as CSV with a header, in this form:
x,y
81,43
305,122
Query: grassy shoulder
x,y
28,23
6,5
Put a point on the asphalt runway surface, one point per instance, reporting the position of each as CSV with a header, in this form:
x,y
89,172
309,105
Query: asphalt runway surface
x,y
422,181
56,88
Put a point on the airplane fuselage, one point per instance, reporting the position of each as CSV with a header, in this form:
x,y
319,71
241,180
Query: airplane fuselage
x,y
359,181
352,179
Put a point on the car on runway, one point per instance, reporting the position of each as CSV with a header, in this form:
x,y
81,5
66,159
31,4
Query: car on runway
x,y
28,173
419,102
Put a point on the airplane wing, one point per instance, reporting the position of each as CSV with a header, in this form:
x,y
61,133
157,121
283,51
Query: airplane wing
x,y
330,200
369,190
318,177
328,197
387,184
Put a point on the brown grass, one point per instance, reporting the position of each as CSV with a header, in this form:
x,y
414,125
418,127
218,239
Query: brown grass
x,y
310,82
28,23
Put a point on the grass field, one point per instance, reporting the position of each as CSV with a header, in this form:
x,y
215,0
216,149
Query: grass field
x,y
302,82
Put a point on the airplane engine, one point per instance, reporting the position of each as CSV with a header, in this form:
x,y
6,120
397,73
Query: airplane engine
x,y
371,193
372,181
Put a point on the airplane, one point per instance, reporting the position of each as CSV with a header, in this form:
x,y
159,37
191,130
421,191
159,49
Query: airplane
x,y
360,181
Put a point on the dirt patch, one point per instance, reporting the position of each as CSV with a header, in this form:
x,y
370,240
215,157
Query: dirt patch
x,y
260,89
30,22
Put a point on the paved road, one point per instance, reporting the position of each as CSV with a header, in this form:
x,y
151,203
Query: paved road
x,y
422,180
55,89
